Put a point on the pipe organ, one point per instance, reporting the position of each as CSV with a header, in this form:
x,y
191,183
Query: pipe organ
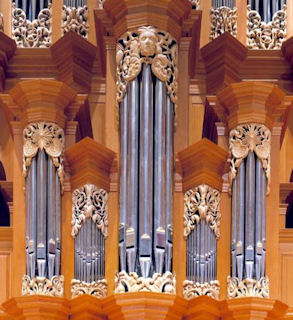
x,y
266,8
75,3
223,3
43,168
32,8
146,92
250,176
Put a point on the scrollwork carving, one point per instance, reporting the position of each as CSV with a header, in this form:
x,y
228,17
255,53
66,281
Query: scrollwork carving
x,y
247,138
131,282
202,202
150,46
248,288
75,19
43,136
97,289
194,289
261,35
223,19
32,34
43,286
89,202
195,4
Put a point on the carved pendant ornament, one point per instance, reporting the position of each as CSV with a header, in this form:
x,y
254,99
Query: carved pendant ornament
x,y
97,289
43,136
150,46
223,19
247,138
43,286
32,34
131,282
248,288
202,202
261,35
89,202
195,289
75,19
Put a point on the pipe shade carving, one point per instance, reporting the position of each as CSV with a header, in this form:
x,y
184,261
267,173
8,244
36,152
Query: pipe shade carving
x,y
75,19
97,289
195,289
266,9
43,169
248,288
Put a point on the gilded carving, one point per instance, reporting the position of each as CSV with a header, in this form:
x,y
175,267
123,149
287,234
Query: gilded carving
x,y
43,136
202,202
248,288
75,19
223,19
194,289
247,138
97,289
89,202
43,286
32,34
261,35
131,282
150,46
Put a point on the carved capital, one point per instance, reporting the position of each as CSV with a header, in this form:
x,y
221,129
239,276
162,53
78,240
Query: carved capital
x,y
75,19
43,136
247,138
43,286
150,46
97,289
195,289
89,202
131,282
202,202
248,288
223,19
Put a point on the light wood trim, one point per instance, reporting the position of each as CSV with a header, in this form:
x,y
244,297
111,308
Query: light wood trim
x,y
241,21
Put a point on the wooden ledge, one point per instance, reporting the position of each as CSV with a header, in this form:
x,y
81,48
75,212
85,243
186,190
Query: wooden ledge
x,y
287,50
202,308
90,162
202,162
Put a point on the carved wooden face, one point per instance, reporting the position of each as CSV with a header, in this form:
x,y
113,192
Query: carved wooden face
x,y
147,40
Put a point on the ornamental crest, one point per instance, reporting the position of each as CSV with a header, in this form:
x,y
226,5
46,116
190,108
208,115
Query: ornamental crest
x,y
248,288
202,202
223,19
89,202
247,138
195,289
150,46
43,286
131,282
97,289
43,136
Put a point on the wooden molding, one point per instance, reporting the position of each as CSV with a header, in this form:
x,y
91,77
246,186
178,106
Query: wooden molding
x,y
223,58
202,308
202,163
285,190
86,307
251,101
7,50
287,50
74,57
90,162
7,190
42,100
252,308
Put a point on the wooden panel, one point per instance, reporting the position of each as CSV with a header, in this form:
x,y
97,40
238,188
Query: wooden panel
x,y
5,275
287,277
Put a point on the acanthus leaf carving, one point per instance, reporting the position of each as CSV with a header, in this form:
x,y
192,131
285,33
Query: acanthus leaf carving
x,y
89,202
131,282
150,46
223,19
261,35
248,287
32,34
75,19
97,289
202,202
43,286
247,138
194,289
43,136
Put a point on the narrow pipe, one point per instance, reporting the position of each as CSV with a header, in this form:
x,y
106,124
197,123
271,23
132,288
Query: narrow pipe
x,y
33,9
29,226
234,224
257,5
58,223
263,221
33,243
258,216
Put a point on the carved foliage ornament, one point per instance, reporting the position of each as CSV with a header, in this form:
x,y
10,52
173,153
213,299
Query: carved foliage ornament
x,y
43,136
97,289
261,35
43,286
89,202
32,34
248,288
194,289
131,282
75,19
223,19
195,4
150,46
202,202
247,138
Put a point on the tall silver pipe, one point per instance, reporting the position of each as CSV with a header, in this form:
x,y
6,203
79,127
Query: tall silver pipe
x,y
160,176
263,220
146,172
58,223
234,225
258,217
257,5
29,239
34,9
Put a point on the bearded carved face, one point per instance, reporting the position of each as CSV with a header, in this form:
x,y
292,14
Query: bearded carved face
x,y
147,40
